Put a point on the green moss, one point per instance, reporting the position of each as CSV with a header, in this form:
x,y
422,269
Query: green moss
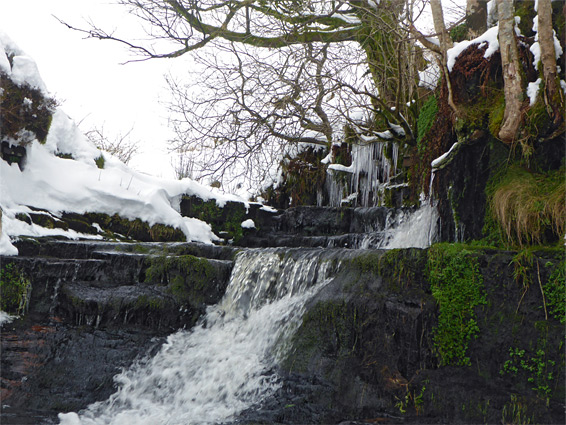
x,y
555,291
15,289
64,155
525,10
24,108
186,276
457,286
495,117
151,303
329,326
459,33
227,219
425,120
401,267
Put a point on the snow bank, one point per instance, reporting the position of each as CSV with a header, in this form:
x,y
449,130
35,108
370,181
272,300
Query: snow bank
x,y
57,185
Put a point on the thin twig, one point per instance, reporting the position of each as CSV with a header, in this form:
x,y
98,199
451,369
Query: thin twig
x,y
542,292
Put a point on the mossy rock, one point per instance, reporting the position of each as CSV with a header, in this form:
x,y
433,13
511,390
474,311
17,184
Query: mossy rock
x,y
24,108
191,281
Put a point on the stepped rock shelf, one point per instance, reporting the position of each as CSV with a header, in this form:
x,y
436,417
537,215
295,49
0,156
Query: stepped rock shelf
x,y
373,342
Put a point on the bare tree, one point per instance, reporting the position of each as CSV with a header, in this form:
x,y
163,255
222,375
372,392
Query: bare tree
x,y
121,146
299,71
476,17
445,44
554,96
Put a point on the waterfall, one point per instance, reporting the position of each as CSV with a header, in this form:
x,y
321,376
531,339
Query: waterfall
x,y
226,363
419,230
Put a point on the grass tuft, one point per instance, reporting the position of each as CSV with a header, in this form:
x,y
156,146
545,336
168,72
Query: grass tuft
x,y
529,207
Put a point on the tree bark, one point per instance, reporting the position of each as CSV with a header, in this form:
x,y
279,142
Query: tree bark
x,y
445,44
513,87
476,17
553,95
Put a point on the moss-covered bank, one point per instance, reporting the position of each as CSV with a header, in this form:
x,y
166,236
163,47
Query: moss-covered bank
x,y
451,334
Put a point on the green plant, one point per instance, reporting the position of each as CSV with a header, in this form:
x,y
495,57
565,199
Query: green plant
x,y
515,412
555,292
457,286
522,266
15,289
411,398
100,161
536,367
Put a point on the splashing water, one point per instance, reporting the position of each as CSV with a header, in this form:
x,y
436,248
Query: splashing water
x,y
225,364
418,231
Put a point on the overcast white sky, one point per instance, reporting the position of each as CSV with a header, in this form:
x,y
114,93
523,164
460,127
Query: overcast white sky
x,y
86,75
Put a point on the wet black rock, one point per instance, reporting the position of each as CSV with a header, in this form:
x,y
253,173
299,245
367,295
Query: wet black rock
x,y
93,310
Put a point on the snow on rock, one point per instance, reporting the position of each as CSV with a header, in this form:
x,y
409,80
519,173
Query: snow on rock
x,y
248,224
489,37
6,247
445,158
77,185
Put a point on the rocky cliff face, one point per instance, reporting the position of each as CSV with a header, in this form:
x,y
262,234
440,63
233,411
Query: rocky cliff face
x,y
383,341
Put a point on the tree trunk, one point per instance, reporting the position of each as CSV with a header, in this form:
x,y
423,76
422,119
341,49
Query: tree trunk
x,y
553,95
513,87
476,17
445,44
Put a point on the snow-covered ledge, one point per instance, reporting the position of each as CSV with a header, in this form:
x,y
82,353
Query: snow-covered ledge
x,y
447,157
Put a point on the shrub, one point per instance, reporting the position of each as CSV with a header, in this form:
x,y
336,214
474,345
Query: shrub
x,y
15,289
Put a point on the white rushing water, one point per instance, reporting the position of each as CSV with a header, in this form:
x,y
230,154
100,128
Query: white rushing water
x,y
226,364
419,230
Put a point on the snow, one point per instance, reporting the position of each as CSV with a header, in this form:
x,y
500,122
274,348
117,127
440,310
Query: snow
x,y
5,317
429,77
340,167
248,224
490,37
327,159
532,91
77,185
438,161
268,209
535,47
563,85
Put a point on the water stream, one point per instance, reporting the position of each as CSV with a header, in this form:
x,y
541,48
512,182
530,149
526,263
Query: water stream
x,y
228,362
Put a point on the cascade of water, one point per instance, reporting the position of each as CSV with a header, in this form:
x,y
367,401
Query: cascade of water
x,y
225,364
